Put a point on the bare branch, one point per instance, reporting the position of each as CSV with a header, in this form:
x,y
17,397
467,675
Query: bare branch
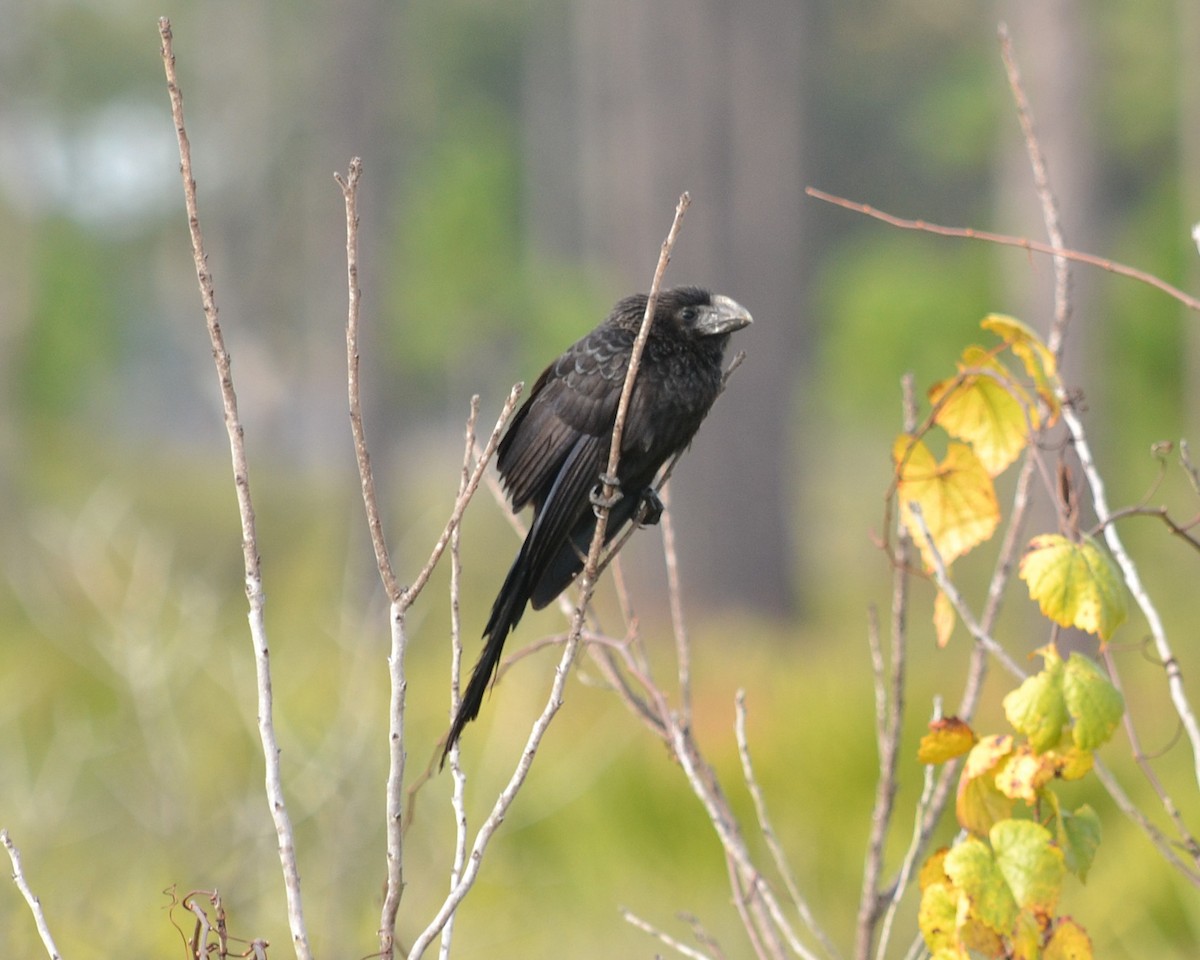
x,y
349,185
35,905
1041,182
768,830
665,938
1032,246
947,586
241,479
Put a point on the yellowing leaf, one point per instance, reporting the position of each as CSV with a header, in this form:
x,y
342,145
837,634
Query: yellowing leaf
x,y
938,919
1031,865
1072,762
1075,584
979,803
1037,708
1094,703
947,738
1068,942
933,870
990,410
976,873
1025,774
957,498
1028,346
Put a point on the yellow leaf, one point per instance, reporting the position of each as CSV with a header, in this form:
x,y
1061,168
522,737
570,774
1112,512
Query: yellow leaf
x,y
947,738
1025,774
979,803
1068,942
1028,346
1075,584
933,870
989,410
956,497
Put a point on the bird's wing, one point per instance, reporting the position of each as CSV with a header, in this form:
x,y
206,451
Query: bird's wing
x,y
574,400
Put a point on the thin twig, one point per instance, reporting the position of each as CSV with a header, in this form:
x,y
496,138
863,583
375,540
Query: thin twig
x,y
1033,246
768,830
663,937
349,185
35,904
458,795
683,654
241,479
947,586
1050,212
889,712
915,848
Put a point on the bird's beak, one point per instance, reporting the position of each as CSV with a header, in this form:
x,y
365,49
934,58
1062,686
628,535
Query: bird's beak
x,y
723,316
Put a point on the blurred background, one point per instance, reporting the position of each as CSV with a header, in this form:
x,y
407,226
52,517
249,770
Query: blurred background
x,y
522,162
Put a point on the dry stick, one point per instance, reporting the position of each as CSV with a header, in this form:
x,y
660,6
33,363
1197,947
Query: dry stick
x,y
587,587
767,829
241,479
1032,246
889,711
946,585
1041,183
681,948
683,655
35,904
458,802
394,889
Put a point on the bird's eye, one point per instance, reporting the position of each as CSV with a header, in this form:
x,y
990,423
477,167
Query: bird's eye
x,y
689,314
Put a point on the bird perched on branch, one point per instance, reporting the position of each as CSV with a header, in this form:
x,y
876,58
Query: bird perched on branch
x,y
555,452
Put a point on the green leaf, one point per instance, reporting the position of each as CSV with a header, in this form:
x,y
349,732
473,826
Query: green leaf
x,y
1079,836
1031,865
1093,702
1075,584
976,872
1037,707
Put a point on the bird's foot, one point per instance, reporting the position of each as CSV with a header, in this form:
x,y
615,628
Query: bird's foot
x,y
597,496
650,508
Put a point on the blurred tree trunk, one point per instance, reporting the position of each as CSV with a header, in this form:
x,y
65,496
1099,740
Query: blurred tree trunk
x,y
646,101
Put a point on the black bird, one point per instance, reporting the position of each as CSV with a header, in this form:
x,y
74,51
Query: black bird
x,y
556,448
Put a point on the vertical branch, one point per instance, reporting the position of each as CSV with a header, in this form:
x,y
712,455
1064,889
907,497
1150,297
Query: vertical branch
x,y
458,796
683,654
394,800
241,479
35,905
889,708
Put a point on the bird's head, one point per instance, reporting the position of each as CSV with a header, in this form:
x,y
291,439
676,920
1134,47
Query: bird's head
x,y
693,312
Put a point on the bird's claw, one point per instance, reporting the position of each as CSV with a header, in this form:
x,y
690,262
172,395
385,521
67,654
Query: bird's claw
x,y
599,500
650,508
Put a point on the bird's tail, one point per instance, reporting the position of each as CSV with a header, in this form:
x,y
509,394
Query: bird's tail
x,y
506,613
